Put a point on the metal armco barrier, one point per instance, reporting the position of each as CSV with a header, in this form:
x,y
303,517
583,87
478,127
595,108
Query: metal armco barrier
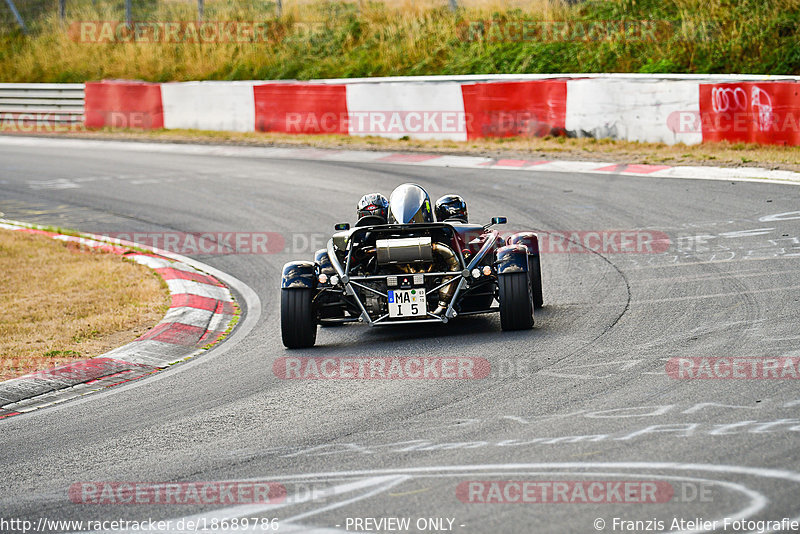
x,y
54,102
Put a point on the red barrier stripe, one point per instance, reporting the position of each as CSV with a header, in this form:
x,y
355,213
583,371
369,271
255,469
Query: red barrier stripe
x,y
506,109
751,112
168,273
301,108
123,104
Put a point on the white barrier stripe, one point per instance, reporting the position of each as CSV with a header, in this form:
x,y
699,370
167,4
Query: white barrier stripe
x,y
415,110
221,106
632,110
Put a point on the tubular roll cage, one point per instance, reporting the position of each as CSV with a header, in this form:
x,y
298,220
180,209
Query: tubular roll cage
x,y
462,277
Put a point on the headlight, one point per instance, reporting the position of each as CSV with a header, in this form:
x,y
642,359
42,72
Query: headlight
x,y
334,280
323,278
476,273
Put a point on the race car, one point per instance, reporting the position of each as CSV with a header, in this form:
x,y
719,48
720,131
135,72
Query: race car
x,y
399,266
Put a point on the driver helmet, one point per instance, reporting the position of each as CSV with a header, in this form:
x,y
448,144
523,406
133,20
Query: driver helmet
x,y
409,204
451,207
373,204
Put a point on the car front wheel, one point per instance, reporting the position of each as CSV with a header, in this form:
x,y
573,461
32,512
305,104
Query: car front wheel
x,y
298,324
516,301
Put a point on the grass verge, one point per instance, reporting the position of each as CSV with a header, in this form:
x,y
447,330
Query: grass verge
x,y
334,39
63,302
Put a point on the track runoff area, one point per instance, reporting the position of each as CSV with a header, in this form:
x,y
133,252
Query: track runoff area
x,y
656,391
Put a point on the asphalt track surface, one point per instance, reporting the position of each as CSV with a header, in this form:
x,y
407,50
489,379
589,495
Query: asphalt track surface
x,y
591,402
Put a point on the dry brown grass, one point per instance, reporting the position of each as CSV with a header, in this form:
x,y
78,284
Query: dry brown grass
x,y
416,7
722,154
61,302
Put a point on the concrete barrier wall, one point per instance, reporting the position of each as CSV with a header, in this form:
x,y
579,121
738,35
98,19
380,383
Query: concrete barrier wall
x,y
660,108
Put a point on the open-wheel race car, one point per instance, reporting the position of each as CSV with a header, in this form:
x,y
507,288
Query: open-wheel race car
x,y
401,265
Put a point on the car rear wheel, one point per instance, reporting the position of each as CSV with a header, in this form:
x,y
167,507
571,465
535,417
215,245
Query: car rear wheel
x,y
516,302
535,273
298,324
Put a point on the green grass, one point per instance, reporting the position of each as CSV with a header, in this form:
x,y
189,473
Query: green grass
x,y
692,36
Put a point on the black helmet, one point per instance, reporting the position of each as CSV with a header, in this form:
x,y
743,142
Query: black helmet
x,y
408,204
373,204
451,207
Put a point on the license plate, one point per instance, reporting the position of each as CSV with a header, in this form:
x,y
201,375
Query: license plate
x,y
407,303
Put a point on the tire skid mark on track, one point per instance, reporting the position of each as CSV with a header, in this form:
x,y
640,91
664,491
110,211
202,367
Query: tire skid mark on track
x,y
382,480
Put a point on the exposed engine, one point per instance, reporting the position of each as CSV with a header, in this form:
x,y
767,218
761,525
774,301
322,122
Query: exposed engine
x,y
407,256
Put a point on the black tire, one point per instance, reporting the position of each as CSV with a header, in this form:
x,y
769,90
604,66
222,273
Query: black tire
x,y
535,273
516,302
298,324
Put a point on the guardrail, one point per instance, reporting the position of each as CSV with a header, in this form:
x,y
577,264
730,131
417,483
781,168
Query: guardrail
x,y
61,103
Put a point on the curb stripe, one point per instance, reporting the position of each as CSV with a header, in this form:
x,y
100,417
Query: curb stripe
x,y
177,285
201,303
201,310
175,333
740,174
189,316
636,168
170,273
